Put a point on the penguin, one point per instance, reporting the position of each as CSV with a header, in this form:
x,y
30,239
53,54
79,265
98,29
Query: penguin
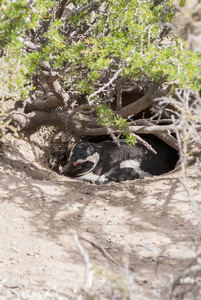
x,y
106,161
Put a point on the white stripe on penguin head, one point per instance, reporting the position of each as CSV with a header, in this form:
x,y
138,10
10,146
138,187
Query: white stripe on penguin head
x,y
94,158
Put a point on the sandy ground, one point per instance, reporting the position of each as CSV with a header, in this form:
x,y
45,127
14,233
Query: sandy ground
x,y
144,232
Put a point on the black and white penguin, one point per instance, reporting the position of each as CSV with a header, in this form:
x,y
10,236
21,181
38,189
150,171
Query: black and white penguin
x,y
105,161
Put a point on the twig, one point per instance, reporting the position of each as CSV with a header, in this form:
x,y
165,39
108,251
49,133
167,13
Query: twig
x,y
87,7
185,180
79,109
147,145
176,280
119,98
101,89
88,266
111,132
101,249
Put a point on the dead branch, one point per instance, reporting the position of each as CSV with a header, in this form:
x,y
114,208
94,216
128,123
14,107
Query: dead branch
x,y
149,147
152,129
42,104
139,105
36,119
88,266
51,78
86,120
101,89
101,249
168,139
186,277
162,132
119,95
29,45
182,145
89,7
78,115
79,109
144,102
61,8
145,129
119,98
192,270
80,124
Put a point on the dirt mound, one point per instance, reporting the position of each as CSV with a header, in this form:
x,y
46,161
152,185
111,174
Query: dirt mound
x,y
137,233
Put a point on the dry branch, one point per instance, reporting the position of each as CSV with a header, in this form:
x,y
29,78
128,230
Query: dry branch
x,y
83,124
88,266
106,85
162,132
51,78
36,119
89,7
192,271
29,45
42,104
61,119
101,249
168,139
141,104
119,98
79,109
147,145
61,8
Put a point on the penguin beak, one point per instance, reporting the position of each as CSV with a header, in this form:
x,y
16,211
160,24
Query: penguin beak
x,y
70,167
66,167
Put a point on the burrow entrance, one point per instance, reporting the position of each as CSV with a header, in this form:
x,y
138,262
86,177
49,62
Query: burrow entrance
x,y
59,157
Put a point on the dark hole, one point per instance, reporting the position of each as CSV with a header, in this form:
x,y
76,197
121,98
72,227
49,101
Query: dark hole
x,y
58,158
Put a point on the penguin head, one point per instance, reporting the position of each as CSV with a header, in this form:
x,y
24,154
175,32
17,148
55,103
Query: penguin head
x,y
82,160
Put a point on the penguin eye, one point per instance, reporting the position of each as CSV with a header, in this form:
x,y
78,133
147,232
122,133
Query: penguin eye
x,y
80,155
